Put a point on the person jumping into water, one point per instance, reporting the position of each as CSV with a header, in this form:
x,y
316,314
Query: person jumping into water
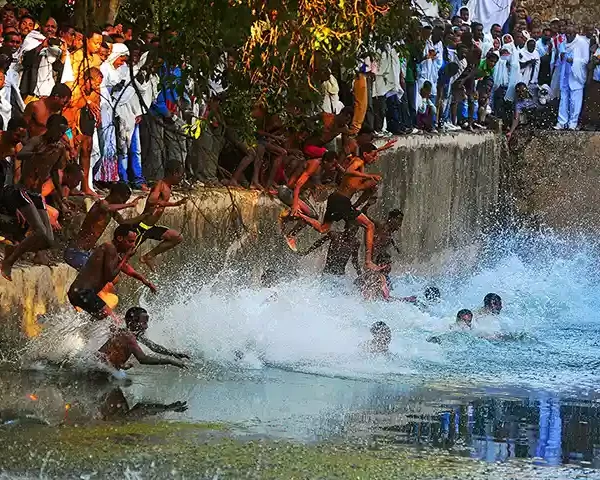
x,y
124,343
310,177
17,201
382,337
97,219
339,203
105,263
155,206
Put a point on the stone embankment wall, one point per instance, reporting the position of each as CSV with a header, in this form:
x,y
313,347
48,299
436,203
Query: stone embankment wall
x,y
582,12
448,187
554,179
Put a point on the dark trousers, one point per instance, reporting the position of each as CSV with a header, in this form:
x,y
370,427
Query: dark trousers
x,y
397,116
379,108
411,99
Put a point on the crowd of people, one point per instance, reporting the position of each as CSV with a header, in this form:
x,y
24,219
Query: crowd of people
x,y
90,113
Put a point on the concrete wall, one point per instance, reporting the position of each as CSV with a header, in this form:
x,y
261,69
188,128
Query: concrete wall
x,y
554,179
447,186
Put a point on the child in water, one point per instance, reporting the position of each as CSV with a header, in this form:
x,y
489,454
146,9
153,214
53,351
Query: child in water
x,y
382,337
124,343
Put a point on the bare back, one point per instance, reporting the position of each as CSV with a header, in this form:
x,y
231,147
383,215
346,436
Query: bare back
x,y
161,192
93,226
40,160
119,348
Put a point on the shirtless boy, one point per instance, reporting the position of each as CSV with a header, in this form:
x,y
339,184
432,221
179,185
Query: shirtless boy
x,y
105,263
42,158
339,203
95,223
124,343
156,203
37,113
15,200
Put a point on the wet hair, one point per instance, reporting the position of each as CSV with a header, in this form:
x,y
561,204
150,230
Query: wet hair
x,y
133,315
463,313
73,169
366,130
395,213
381,328
367,148
121,189
491,298
173,169
122,231
16,123
432,293
60,90
268,278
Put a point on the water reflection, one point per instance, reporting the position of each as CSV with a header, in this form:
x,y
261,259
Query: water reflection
x,y
549,430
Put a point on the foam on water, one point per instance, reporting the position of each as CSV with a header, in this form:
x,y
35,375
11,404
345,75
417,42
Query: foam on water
x,y
548,327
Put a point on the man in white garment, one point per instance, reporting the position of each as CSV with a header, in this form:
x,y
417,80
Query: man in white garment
x,y
573,63
433,58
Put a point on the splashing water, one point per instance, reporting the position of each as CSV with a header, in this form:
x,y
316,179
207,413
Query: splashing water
x,y
544,338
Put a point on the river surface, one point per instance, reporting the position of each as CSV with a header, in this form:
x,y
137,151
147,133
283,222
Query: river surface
x,y
522,384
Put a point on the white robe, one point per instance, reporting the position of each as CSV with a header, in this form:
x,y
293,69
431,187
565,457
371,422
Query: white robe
x,y
489,12
573,76
530,73
430,68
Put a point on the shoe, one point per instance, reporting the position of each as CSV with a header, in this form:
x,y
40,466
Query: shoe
x,y
479,126
414,131
452,127
574,129
558,126
433,131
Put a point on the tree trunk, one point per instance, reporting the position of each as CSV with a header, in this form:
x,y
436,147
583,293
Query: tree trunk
x,y
95,13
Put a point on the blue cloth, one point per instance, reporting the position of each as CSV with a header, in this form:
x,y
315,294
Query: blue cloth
x,y
170,81
76,258
133,161
456,6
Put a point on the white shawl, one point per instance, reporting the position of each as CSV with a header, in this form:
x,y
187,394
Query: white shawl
x,y
529,74
579,51
507,72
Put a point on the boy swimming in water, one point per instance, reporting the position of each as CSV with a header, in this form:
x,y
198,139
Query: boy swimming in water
x,y
124,343
382,337
492,305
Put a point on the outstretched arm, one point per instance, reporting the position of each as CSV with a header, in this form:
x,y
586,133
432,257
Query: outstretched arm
x,y
309,172
131,272
156,348
144,359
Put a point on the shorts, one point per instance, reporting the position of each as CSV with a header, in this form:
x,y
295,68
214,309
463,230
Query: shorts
x,y
87,122
339,207
312,151
87,300
76,258
12,198
148,232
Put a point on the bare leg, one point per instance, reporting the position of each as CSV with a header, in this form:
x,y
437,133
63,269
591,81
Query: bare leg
x,y
85,159
170,239
244,164
41,238
319,227
369,237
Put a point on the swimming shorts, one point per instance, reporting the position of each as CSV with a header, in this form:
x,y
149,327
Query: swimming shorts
x,y
12,198
76,258
339,207
87,122
87,300
312,151
148,232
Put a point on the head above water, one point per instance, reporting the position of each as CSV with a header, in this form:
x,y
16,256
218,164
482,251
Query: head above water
x,y
382,336
72,175
136,319
173,174
269,278
465,317
432,294
395,218
492,303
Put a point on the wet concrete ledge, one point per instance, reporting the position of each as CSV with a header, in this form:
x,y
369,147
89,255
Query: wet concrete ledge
x,y
447,186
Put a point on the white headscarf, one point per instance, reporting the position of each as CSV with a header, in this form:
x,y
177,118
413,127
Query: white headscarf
x,y
529,74
507,72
